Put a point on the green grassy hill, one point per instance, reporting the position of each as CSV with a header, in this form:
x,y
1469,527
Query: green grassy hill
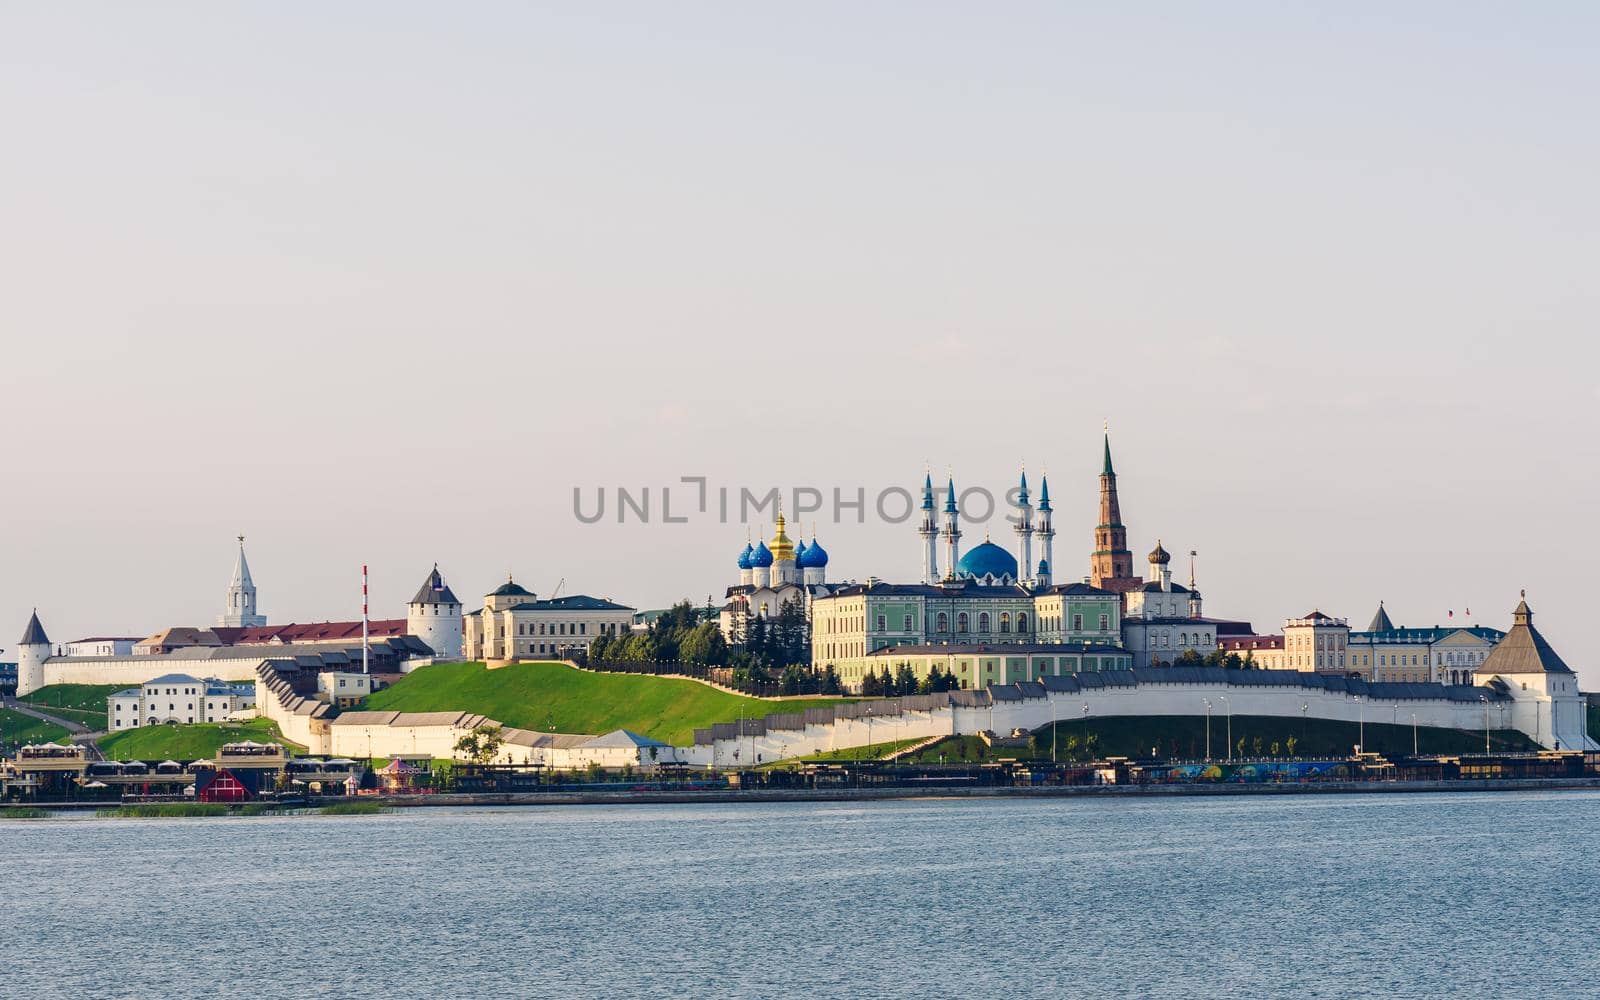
x,y
543,696
17,729
84,704
187,742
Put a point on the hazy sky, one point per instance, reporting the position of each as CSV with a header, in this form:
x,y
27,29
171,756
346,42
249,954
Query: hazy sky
x,y
383,283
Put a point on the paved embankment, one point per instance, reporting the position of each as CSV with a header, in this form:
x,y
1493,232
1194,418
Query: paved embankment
x,y
998,791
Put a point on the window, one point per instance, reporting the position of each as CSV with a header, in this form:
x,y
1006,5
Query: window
x,y
942,623
962,622
907,626
883,623
1005,621
1022,621
1105,622
1077,623
983,622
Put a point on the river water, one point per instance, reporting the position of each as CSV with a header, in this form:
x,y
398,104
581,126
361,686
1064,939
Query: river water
x,y
1479,895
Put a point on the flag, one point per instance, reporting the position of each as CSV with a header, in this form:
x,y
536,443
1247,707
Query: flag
x,y
1449,614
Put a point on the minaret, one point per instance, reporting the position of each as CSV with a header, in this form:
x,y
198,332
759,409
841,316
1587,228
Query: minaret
x,y
33,649
1112,562
240,611
1046,534
952,531
929,530
1024,530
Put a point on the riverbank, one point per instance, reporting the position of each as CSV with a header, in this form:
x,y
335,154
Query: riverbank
x,y
893,792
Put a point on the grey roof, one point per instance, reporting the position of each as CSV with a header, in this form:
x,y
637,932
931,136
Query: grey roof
x,y
623,738
1380,621
1001,649
574,602
34,635
174,679
1523,650
434,590
510,589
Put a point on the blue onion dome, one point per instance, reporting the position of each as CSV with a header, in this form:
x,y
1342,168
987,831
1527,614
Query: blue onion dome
x,y
744,557
760,556
814,557
800,553
987,559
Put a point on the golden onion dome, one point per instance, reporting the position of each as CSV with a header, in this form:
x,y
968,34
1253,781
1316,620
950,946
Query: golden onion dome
x,y
781,546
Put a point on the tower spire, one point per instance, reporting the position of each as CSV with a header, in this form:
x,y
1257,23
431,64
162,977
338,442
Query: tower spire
x,y
1111,565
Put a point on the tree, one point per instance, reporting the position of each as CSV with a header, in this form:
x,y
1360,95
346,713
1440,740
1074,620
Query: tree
x,y
789,682
871,686
597,648
1258,746
1232,662
1189,658
830,680
1240,746
1292,743
482,745
1216,657
704,645
1277,748
905,680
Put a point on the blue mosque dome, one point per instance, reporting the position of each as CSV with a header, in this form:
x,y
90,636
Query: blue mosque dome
x,y
744,557
760,556
815,556
987,559
1044,567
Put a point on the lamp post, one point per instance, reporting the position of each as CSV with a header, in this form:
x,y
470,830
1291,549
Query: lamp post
x,y
1485,723
1228,707
1053,758
1085,728
1305,706
1361,724
1413,734
1208,727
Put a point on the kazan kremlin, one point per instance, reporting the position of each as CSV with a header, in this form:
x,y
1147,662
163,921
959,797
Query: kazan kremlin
x,y
1024,644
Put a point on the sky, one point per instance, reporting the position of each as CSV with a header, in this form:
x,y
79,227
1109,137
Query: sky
x,y
387,283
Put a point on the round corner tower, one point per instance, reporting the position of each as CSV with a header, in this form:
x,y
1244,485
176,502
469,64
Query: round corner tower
x,y
32,652
434,616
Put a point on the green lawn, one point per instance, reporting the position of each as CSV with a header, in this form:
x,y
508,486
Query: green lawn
x,y
16,729
187,742
542,696
90,698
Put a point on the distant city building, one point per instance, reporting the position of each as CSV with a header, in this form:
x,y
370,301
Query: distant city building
x,y
1315,642
514,623
343,688
1449,655
100,646
1163,622
180,698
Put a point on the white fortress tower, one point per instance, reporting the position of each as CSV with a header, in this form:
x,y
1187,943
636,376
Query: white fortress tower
x,y
32,651
434,616
241,607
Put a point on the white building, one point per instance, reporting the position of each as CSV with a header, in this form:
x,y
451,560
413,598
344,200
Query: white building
x,y
1448,655
178,698
101,645
515,624
1163,620
343,688
240,610
770,577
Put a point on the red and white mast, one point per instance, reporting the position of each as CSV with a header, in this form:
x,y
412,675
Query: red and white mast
x,y
366,647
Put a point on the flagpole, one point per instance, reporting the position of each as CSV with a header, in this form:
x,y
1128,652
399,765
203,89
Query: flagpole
x,y
366,646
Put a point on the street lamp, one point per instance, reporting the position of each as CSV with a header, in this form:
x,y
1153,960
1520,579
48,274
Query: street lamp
x,y
1086,728
1053,758
1361,722
1229,709
1208,727
1413,734
1485,723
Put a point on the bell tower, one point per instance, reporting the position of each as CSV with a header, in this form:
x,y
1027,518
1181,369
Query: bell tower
x,y
1111,565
